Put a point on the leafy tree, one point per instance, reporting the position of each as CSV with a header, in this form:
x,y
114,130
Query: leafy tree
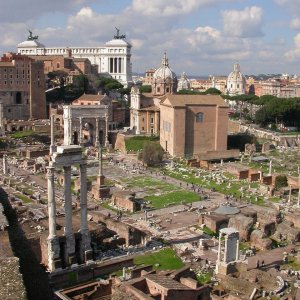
x,y
145,88
82,82
107,84
213,91
152,153
281,181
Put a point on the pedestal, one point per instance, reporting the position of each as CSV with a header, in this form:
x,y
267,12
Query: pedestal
x,y
54,261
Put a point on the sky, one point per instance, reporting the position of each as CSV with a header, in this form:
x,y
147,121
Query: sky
x,y
201,37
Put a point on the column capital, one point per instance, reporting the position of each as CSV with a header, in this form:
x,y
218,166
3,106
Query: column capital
x,y
50,171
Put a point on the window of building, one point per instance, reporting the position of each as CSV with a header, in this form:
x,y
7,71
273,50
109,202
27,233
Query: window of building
x,y
199,117
152,120
167,90
158,90
143,128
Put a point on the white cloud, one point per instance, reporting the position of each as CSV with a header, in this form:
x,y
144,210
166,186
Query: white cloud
x,y
153,26
295,23
294,54
23,10
166,7
243,23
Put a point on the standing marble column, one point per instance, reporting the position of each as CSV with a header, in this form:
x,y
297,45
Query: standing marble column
x,y
52,146
5,166
52,240
219,249
80,131
270,167
97,143
84,230
70,241
290,194
237,250
106,128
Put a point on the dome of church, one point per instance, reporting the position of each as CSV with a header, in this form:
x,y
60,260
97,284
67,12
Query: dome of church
x,y
236,82
164,72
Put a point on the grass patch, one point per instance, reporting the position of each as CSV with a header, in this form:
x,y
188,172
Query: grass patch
x,y
204,278
136,143
149,182
22,134
292,264
23,198
165,259
173,198
209,232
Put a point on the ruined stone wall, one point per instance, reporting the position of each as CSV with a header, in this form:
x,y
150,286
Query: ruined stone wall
x,y
131,235
120,143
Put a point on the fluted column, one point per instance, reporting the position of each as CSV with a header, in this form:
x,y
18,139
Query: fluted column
x,y
52,146
5,168
70,241
80,131
97,143
51,201
52,240
84,230
106,128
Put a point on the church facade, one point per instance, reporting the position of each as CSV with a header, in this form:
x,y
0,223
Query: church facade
x,y
193,125
188,125
113,58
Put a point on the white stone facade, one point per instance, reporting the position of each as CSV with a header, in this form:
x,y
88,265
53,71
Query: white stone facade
x,y
112,58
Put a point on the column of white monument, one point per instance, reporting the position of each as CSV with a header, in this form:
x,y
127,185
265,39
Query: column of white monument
x,y
70,241
84,230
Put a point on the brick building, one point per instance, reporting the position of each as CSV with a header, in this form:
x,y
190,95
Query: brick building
x,y
22,88
193,124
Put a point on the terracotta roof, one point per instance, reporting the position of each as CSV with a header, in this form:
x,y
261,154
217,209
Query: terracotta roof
x,y
183,100
149,108
91,97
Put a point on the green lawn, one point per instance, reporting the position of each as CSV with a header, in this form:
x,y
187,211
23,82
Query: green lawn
x,y
173,198
22,134
136,143
23,198
149,182
204,278
165,259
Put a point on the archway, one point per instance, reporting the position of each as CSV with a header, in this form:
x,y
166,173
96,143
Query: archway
x,y
18,98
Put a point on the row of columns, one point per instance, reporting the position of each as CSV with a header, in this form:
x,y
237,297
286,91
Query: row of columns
x,y
116,65
53,244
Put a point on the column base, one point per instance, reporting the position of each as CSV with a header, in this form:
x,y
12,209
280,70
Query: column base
x,y
85,245
70,257
54,261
